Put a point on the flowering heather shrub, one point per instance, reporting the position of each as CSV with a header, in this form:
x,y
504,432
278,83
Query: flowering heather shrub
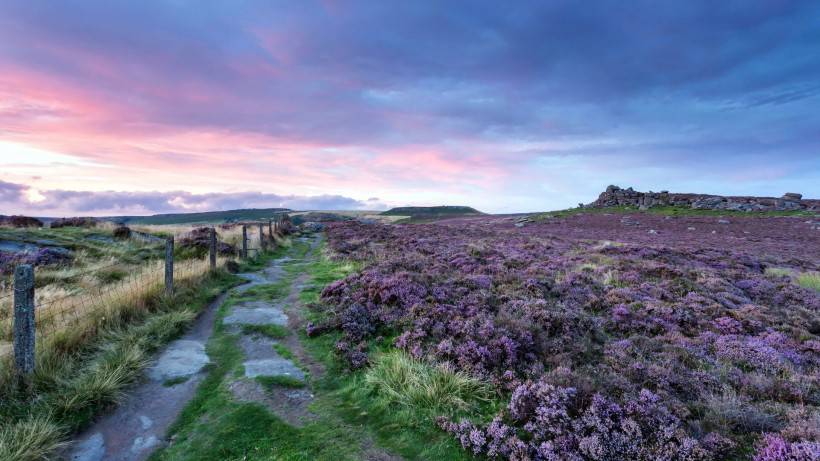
x,y
669,346
774,448
41,257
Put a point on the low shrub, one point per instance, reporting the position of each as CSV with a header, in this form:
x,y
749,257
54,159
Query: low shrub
x,y
20,221
74,222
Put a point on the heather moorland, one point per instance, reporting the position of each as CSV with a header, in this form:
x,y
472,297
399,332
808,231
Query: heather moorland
x,y
604,335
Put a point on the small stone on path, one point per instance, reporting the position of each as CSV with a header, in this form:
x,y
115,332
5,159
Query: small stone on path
x,y
91,449
182,358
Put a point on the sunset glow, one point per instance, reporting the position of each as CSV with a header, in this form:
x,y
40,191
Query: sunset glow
x,y
505,108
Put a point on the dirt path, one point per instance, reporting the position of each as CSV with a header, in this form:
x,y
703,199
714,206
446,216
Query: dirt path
x,y
277,372
138,425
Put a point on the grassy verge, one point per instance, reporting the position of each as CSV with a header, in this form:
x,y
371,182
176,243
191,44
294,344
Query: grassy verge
x,y
215,426
71,385
665,211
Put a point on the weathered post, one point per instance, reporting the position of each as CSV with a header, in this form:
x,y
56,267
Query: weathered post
x,y
24,319
270,230
244,241
262,244
169,266
213,249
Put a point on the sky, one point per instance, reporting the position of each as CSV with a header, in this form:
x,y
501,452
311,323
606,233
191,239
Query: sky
x,y
112,107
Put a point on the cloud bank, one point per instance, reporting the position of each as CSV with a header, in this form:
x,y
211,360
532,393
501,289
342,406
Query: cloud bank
x,y
14,199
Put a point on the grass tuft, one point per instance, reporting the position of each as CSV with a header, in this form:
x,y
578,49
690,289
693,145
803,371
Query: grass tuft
x,y
810,280
174,381
270,382
271,330
72,384
32,439
400,379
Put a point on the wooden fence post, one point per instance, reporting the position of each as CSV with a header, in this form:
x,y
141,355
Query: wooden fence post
x,y
270,230
262,244
244,241
169,266
213,248
24,325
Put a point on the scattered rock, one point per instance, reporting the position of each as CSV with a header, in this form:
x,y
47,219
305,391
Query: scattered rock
x,y
652,231
615,196
690,228
723,221
630,221
91,449
122,233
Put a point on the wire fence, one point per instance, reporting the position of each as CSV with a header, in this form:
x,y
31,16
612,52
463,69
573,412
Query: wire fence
x,y
83,311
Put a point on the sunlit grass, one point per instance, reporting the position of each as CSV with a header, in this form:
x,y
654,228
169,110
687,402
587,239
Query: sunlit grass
x,y
397,378
810,280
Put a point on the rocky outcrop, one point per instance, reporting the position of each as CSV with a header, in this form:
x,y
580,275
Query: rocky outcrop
x,y
615,196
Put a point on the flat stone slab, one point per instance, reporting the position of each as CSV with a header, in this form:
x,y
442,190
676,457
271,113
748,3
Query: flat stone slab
x,y
257,346
273,367
256,316
90,449
182,358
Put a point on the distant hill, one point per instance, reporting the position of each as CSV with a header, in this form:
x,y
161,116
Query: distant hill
x,y
250,214
426,212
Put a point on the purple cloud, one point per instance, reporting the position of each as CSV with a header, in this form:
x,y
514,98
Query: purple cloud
x,y
67,202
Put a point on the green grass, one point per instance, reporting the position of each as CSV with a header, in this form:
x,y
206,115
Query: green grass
x,y
266,292
250,214
431,211
810,280
664,211
174,381
69,387
270,382
271,331
111,275
779,272
284,352
401,380
82,242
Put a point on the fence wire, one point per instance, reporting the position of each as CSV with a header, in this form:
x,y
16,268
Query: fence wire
x,y
83,312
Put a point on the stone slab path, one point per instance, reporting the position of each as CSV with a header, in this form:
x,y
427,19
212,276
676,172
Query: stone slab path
x,y
261,358
134,430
